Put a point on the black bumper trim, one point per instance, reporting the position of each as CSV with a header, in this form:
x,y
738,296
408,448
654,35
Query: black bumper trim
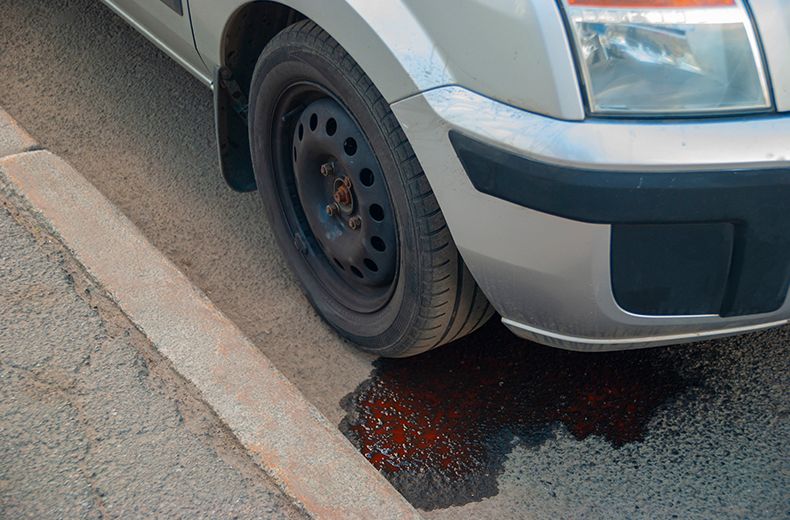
x,y
755,202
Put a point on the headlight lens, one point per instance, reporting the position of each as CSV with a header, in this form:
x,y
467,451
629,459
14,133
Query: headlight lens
x,y
668,56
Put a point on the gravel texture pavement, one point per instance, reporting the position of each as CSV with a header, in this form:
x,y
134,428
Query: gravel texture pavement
x,y
93,423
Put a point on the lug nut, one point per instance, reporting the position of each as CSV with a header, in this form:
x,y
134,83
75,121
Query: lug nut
x,y
332,210
347,182
328,169
355,222
343,195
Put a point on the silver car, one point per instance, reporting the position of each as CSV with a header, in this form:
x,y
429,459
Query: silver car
x,y
603,174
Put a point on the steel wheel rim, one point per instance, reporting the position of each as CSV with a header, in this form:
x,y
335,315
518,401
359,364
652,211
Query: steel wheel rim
x,y
334,198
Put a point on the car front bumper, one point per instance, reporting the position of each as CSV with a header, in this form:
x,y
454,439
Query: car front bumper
x,y
612,234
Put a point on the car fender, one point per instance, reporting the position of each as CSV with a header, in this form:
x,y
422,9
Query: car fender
x,y
521,56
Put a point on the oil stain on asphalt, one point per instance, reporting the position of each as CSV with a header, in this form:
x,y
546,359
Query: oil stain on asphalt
x,y
440,426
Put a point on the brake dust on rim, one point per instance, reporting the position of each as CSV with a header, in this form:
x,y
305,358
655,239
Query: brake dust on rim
x,y
439,426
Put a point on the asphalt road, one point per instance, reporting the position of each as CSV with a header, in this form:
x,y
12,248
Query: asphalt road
x,y
506,428
93,423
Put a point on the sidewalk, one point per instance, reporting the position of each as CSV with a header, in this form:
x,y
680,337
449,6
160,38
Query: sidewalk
x,y
93,422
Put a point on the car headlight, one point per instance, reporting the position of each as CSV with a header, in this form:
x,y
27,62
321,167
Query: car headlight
x,y
668,56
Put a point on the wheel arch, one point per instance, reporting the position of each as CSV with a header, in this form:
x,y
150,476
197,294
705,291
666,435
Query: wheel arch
x,y
386,40
388,43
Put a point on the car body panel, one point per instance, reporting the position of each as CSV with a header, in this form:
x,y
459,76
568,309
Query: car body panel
x,y
772,18
407,47
526,61
167,29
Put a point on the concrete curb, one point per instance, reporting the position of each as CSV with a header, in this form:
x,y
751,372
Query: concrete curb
x,y
13,139
287,436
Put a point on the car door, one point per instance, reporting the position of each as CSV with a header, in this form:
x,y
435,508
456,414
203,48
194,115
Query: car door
x,y
167,24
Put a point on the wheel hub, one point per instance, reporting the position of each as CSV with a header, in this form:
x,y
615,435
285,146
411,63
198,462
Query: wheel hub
x,y
342,191
342,194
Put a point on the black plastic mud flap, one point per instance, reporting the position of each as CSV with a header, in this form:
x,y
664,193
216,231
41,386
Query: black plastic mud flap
x,y
230,123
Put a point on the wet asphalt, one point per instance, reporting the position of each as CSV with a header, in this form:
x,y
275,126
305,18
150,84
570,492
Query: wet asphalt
x,y
490,427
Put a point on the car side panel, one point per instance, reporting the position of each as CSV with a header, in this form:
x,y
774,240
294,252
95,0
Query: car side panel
x,y
166,23
513,51
773,23
409,46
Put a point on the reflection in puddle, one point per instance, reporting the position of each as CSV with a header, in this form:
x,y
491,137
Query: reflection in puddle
x,y
441,425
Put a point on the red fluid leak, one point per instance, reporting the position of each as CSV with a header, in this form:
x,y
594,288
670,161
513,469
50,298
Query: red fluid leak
x,y
440,425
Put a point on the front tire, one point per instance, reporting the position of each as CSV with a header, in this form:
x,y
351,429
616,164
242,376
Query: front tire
x,y
349,203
